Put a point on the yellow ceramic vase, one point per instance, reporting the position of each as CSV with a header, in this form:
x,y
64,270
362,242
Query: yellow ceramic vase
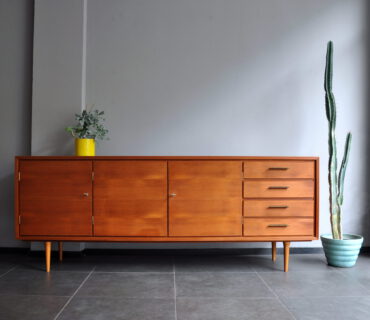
x,y
85,147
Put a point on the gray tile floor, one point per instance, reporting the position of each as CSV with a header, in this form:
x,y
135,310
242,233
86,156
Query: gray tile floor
x,y
183,287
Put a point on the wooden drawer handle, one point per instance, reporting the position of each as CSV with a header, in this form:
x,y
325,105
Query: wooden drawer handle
x,y
277,207
278,187
278,168
277,226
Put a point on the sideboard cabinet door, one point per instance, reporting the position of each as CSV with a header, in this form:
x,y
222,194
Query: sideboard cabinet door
x,y
55,198
205,198
130,198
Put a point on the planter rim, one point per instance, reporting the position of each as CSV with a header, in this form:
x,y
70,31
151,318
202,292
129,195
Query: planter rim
x,y
352,236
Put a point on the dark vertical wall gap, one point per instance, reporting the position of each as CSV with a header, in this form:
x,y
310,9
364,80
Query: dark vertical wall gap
x,y
16,38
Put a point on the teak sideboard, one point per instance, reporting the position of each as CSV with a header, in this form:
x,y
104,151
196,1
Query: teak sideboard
x,y
167,199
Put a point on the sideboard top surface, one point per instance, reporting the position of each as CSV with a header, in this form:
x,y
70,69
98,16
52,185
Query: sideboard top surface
x,y
164,158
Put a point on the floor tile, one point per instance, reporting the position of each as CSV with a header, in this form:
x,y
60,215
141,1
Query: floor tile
x,y
15,307
129,285
220,284
8,261
131,263
198,263
298,262
338,308
361,271
313,284
102,308
207,287
6,266
4,271
30,282
230,309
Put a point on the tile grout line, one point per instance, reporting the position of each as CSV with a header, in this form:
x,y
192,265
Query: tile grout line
x,y
174,286
5,273
74,294
348,276
276,296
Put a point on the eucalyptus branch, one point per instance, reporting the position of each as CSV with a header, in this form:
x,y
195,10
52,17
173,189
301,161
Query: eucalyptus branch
x,y
89,125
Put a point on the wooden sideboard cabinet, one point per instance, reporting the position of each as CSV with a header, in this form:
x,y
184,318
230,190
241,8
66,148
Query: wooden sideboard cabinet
x,y
167,199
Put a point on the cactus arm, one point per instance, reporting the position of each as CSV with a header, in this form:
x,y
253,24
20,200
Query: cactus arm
x,y
328,80
329,67
329,96
343,168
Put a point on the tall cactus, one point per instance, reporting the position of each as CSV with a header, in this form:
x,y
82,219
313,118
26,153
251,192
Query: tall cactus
x,y
335,182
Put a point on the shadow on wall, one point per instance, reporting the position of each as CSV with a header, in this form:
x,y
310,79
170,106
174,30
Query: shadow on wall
x,y
7,235
366,189
16,38
58,142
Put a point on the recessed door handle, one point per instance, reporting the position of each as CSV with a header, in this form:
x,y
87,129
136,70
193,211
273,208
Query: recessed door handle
x,y
278,168
278,187
86,194
172,194
277,207
277,225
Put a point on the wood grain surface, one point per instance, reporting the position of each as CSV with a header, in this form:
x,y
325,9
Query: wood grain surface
x,y
279,188
53,200
207,198
279,208
278,226
130,198
271,169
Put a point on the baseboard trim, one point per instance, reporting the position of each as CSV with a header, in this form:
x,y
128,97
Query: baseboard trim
x,y
13,250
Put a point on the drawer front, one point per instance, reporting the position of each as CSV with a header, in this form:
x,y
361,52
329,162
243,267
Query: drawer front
x,y
279,208
279,189
278,227
271,169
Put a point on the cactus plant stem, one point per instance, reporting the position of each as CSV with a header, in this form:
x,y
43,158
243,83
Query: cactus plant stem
x,y
336,182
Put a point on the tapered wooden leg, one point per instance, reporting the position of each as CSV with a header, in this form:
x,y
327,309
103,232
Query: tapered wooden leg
x,y
60,248
273,252
47,255
286,255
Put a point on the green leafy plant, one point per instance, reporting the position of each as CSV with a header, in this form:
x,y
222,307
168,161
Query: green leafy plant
x,y
336,182
89,125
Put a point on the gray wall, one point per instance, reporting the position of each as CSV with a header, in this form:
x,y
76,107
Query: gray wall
x,y
57,73
207,77
16,28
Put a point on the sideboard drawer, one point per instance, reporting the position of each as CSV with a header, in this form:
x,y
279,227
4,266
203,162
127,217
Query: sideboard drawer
x,y
279,208
278,227
279,188
272,169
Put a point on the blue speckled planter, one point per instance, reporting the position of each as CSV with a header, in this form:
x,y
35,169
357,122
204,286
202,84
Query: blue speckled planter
x,y
342,253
